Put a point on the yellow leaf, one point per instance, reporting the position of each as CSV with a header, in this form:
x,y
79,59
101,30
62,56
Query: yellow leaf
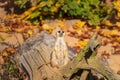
x,y
114,32
23,16
78,1
27,13
97,27
78,26
10,50
18,29
118,14
118,39
60,24
42,4
55,9
80,23
46,27
82,43
50,3
27,17
4,37
118,24
107,33
79,31
8,28
57,5
35,26
33,8
117,7
111,33
5,54
30,32
108,23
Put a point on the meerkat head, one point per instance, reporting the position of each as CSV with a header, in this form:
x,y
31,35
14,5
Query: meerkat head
x,y
60,33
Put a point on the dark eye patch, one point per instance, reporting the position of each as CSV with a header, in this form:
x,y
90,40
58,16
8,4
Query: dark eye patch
x,y
59,31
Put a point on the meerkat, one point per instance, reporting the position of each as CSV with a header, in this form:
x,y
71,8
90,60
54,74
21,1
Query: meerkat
x,y
59,56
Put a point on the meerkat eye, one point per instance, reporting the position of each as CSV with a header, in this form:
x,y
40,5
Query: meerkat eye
x,y
62,31
59,31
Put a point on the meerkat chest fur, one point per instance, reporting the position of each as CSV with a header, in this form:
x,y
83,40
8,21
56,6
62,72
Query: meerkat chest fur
x,y
61,48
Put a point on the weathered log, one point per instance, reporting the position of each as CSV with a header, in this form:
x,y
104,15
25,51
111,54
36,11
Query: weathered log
x,y
35,59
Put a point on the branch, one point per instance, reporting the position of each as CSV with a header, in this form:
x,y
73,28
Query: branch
x,y
86,61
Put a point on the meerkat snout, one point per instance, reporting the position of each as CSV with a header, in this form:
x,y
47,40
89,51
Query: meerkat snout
x,y
60,33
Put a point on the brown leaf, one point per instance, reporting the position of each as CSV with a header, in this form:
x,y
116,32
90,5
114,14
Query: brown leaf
x,y
107,49
10,50
118,72
5,54
1,60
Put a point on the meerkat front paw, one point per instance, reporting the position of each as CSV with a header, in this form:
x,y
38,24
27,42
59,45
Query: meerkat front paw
x,y
54,64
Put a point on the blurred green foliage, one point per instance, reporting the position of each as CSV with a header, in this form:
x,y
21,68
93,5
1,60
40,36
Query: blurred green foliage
x,y
94,11
21,3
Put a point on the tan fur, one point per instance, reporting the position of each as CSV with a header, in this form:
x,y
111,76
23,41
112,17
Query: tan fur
x,y
59,55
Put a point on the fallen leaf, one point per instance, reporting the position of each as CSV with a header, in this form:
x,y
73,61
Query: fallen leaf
x,y
10,50
118,72
106,49
114,32
82,43
5,54
79,31
1,60
47,27
60,23
80,23
30,32
118,24
4,36
108,23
